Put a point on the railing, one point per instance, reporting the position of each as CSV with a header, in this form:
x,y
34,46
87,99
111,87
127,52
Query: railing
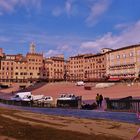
x,y
127,104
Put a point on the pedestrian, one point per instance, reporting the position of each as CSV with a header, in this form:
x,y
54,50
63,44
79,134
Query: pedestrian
x,y
100,100
97,99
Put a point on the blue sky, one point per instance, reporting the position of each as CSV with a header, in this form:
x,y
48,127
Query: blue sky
x,y
68,27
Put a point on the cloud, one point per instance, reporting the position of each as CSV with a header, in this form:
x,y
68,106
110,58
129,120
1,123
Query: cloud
x,y
68,6
67,9
9,6
122,26
52,53
128,36
62,49
4,39
96,11
57,11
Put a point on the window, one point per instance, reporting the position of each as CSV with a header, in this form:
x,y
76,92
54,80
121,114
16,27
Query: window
x,y
131,54
124,55
118,56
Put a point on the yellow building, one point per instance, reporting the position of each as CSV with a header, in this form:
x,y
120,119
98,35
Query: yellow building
x,y
124,63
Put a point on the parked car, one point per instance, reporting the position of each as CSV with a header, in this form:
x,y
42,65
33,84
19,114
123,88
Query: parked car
x,y
46,99
37,97
80,83
67,97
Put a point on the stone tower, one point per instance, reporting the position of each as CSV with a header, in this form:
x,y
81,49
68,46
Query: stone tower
x,y
32,47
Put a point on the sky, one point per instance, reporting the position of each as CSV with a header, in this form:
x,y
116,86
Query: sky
x,y
68,27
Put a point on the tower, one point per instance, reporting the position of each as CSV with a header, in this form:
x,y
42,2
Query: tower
x,y
32,47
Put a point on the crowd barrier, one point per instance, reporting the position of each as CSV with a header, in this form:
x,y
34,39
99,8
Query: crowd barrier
x,y
59,103
125,104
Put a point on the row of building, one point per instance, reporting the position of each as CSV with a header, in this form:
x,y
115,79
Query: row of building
x,y
122,63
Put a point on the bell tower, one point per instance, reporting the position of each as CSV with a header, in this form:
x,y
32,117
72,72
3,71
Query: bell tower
x,y
32,47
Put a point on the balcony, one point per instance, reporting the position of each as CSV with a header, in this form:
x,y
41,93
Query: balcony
x,y
124,66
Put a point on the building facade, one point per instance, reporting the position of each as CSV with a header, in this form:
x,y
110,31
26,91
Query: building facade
x,y
54,67
124,63
94,67
34,66
76,68
21,69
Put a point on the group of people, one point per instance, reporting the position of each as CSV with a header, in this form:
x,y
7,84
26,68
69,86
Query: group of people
x,y
99,100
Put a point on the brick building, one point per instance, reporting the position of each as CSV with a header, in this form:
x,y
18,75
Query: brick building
x,y
122,63
54,67
94,67
21,69
76,68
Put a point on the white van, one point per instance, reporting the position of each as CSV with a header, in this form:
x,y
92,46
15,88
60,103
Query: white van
x,y
80,83
22,96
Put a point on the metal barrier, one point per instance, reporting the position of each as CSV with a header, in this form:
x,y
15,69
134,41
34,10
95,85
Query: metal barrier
x,y
124,104
70,103
61,103
26,103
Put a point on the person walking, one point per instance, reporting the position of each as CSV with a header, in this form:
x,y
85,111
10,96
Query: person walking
x,y
100,100
97,99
